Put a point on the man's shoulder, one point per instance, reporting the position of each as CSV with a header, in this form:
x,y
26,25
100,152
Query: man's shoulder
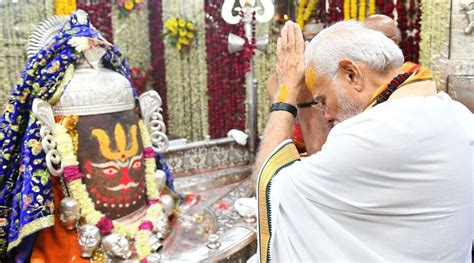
x,y
413,116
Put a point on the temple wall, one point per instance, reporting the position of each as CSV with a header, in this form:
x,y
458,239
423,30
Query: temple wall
x,y
457,64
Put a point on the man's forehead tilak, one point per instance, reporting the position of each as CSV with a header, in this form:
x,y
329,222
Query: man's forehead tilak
x,y
310,80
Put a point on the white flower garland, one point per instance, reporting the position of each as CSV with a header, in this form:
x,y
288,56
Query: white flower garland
x,y
131,34
79,192
17,21
434,35
186,74
265,64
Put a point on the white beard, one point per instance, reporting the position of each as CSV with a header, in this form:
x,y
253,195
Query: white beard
x,y
348,108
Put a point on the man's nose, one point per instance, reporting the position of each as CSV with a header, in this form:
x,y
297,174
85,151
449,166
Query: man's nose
x,y
327,116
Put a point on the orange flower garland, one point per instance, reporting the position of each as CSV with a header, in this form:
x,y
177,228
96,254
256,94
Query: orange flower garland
x,y
64,7
372,7
304,14
353,9
347,8
362,10
127,6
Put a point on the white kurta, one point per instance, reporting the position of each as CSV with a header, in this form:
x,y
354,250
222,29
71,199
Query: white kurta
x,y
393,183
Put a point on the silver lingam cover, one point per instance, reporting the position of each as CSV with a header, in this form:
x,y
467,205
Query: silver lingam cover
x,y
109,140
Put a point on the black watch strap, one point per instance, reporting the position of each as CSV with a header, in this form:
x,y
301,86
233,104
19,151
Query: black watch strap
x,y
281,106
307,104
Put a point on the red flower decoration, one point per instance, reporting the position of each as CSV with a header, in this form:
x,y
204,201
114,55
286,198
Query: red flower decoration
x,y
105,225
157,48
224,206
226,92
139,79
100,15
146,225
72,173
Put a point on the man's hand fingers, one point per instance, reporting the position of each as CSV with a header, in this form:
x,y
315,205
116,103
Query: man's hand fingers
x,y
279,46
284,37
279,53
299,41
291,36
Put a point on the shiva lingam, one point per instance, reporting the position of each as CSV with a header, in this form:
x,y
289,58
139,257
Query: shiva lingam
x,y
101,141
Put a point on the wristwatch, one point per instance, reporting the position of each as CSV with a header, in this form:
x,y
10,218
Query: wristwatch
x,y
281,106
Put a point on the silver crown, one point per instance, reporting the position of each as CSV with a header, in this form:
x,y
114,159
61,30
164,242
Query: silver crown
x,y
95,91
92,89
44,33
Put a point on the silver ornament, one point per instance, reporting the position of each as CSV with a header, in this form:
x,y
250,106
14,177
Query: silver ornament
x,y
161,220
69,212
162,229
213,241
168,203
116,246
153,258
160,179
88,238
155,243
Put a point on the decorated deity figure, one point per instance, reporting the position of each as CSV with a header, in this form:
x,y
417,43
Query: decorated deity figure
x,y
75,135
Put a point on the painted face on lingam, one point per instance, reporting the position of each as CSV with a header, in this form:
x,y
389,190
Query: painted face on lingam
x,y
111,157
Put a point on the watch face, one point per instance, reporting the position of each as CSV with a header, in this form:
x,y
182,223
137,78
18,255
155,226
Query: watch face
x,y
110,154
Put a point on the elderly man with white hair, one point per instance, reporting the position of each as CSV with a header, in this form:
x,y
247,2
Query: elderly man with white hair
x,y
392,182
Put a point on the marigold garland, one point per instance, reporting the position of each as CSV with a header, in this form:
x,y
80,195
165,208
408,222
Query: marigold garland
x,y
347,9
64,7
372,7
127,6
304,14
353,9
309,10
92,216
299,16
362,10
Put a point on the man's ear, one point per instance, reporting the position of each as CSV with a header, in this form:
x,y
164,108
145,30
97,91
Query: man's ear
x,y
351,72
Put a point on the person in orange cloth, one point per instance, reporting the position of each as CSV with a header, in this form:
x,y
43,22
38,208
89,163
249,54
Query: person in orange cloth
x,y
56,242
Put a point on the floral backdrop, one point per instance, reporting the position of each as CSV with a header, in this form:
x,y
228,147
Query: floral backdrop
x,y
157,49
225,83
264,66
17,21
200,82
130,32
186,74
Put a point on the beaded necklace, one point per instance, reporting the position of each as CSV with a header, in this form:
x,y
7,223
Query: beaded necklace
x,y
392,86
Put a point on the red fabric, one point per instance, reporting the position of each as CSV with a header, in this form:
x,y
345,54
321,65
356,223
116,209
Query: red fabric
x,y
100,14
298,138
